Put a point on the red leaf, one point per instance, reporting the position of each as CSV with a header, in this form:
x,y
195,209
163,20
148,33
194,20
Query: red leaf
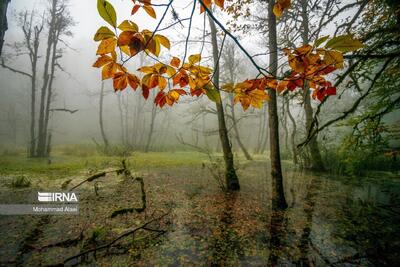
x,y
145,91
135,9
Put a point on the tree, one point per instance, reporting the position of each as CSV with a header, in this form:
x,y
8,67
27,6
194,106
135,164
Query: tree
x,y
278,197
57,26
3,21
101,123
232,181
308,64
231,63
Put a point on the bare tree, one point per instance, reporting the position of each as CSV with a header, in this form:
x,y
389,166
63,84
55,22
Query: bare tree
x,y
232,181
3,21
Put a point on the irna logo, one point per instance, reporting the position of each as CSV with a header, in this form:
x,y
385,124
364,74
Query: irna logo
x,y
57,197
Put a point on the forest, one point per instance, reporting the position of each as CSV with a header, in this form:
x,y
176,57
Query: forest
x,y
200,133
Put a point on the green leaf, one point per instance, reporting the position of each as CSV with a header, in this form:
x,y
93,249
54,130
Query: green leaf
x,y
103,33
212,94
344,43
107,12
319,41
128,26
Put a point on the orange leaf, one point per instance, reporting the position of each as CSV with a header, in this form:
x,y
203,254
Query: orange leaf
x,y
133,81
103,60
219,3
175,62
207,3
108,71
120,81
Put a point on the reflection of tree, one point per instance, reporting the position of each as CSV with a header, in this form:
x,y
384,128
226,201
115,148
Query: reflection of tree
x,y
309,204
278,233
225,244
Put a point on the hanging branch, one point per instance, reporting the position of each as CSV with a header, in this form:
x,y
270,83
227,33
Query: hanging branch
x,y
351,110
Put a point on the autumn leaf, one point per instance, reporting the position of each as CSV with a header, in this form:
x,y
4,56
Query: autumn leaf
x,y
219,3
344,43
207,3
103,33
106,46
175,62
280,6
134,41
334,58
181,78
129,26
163,40
122,79
150,11
193,59
107,12
103,60
109,70
135,9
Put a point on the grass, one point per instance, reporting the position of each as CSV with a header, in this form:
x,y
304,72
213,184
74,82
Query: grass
x,y
61,165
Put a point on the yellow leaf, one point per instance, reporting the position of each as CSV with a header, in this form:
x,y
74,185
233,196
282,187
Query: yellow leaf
x,y
334,58
193,59
170,71
103,33
162,82
128,26
280,6
125,49
150,11
146,69
163,40
106,46
146,79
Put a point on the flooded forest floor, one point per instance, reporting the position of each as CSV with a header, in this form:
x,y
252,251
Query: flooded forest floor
x,y
189,221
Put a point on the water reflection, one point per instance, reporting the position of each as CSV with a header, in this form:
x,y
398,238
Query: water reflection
x,y
330,221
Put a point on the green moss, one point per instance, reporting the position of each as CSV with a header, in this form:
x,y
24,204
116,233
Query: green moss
x,y
61,165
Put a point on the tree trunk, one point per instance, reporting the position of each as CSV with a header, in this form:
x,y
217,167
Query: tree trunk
x,y
103,133
316,159
293,135
121,117
237,134
278,196
149,136
50,88
3,21
232,181
41,146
